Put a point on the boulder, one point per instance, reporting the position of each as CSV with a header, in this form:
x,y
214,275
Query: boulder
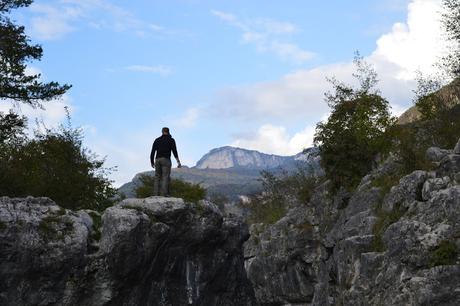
x,y
433,185
155,251
435,154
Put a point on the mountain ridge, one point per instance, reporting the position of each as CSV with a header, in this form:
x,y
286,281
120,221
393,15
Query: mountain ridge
x,y
233,176
234,157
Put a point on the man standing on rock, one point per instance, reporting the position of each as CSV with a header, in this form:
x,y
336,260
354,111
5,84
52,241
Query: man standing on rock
x,y
163,146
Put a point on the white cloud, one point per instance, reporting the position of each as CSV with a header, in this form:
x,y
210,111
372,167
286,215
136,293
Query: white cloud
x,y
189,119
267,35
51,116
299,94
276,140
52,22
60,17
161,70
410,46
416,44
296,95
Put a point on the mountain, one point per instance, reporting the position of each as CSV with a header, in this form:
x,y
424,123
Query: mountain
x,y
230,157
232,171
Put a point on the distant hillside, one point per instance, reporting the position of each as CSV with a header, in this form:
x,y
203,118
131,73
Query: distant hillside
x,y
449,94
233,171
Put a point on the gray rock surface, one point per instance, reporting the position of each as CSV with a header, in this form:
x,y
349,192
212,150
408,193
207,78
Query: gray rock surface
x,y
457,148
435,154
381,247
156,251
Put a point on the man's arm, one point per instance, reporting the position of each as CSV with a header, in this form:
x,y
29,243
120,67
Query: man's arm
x,y
174,150
152,154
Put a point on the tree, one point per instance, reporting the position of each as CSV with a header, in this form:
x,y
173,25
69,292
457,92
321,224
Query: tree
x,y
11,127
451,22
16,51
354,133
56,165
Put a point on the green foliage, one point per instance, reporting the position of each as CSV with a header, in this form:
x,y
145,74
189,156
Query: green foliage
x,y
97,225
56,226
300,184
16,51
384,220
278,190
265,210
451,21
412,140
145,190
11,128
7,5
179,189
55,164
385,182
426,99
444,254
356,130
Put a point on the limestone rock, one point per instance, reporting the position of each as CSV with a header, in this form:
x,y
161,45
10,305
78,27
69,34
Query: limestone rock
x,y
402,248
435,154
157,251
457,148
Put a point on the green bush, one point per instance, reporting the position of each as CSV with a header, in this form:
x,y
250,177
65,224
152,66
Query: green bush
x,y
444,254
299,184
179,189
412,140
55,164
278,190
356,131
265,210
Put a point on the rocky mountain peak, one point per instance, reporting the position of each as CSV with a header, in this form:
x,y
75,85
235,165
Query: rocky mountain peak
x,y
231,157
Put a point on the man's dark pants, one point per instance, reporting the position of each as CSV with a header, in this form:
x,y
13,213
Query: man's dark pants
x,y
162,176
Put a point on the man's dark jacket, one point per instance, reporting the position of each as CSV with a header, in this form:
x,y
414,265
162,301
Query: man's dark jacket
x,y
163,146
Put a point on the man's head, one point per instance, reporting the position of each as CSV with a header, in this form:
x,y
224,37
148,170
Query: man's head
x,y
165,131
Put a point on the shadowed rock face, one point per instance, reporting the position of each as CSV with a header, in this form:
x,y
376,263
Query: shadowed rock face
x,y
398,247
156,251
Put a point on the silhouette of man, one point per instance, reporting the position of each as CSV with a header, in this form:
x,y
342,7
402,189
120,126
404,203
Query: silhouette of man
x,y
160,158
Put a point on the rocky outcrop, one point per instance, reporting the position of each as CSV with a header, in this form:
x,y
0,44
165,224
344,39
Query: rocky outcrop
x,y
156,251
378,246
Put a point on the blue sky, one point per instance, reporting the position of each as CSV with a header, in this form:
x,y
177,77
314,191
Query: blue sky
x,y
244,73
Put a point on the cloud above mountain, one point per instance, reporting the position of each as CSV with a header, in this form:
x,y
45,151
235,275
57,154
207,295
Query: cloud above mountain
x,y
268,36
276,140
413,45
